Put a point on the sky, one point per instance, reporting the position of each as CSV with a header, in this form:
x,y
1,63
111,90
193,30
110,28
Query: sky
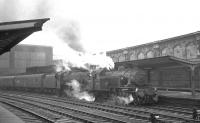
x,y
104,25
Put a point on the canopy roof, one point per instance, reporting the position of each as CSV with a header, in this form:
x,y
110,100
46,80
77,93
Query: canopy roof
x,y
157,62
11,33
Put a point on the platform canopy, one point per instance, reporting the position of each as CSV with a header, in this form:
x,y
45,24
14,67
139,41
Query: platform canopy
x,y
11,33
157,62
163,62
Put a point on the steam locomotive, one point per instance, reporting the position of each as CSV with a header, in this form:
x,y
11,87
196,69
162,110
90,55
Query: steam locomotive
x,y
126,83
101,83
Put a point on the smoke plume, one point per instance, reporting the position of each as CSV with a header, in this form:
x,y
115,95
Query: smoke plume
x,y
67,30
62,33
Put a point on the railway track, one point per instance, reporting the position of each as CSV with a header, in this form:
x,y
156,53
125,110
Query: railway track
x,y
135,112
26,117
76,112
176,109
40,114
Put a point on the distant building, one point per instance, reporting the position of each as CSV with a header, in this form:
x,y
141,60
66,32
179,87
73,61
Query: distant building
x,y
185,47
21,57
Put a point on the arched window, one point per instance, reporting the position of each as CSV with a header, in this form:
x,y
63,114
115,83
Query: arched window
x,y
179,51
164,52
141,56
115,59
150,54
191,51
133,57
121,58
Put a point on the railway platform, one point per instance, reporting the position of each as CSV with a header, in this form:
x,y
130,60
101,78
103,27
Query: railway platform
x,y
179,98
8,117
179,94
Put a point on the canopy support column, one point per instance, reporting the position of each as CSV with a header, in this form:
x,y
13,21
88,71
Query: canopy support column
x,y
160,79
148,76
148,73
192,82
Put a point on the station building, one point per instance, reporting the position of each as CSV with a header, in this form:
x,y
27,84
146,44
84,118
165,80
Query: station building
x,y
170,63
23,56
184,47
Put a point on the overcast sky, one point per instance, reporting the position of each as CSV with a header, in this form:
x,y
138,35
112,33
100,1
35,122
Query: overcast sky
x,y
106,25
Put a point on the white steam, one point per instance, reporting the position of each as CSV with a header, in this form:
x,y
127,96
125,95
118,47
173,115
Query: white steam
x,y
62,33
125,100
70,57
77,93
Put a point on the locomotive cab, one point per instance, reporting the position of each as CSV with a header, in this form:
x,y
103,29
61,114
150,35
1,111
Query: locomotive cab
x,y
129,82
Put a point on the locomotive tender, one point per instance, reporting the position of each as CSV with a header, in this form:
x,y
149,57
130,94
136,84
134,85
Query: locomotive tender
x,y
102,83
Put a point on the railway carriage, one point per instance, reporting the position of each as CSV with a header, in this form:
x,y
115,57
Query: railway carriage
x,y
29,82
50,84
6,82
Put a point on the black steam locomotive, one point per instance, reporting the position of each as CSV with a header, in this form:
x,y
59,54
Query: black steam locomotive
x,y
126,83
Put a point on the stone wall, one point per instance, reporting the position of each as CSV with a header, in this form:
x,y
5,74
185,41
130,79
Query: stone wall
x,y
23,56
184,46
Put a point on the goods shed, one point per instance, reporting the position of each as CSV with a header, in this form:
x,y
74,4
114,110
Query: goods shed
x,y
11,33
168,72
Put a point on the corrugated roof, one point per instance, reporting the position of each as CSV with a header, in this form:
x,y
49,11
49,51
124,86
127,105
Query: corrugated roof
x,y
11,33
